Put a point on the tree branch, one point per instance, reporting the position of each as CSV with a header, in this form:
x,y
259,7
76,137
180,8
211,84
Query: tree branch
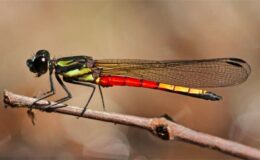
x,y
162,127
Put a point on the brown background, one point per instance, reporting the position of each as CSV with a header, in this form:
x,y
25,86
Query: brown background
x,y
127,29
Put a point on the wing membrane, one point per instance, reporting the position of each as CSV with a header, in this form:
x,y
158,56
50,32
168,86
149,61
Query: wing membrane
x,y
204,73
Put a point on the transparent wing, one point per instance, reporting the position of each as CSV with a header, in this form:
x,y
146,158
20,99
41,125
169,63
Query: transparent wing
x,y
191,73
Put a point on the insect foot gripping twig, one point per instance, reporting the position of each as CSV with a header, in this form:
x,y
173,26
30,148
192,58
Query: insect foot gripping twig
x,y
162,127
14,101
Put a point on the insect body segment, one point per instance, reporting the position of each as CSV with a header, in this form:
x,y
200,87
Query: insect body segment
x,y
109,81
77,72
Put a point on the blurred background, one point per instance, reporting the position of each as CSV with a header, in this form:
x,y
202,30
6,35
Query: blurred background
x,y
127,29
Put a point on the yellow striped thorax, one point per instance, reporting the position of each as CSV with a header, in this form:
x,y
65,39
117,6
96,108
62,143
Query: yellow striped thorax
x,y
65,63
181,89
87,78
77,72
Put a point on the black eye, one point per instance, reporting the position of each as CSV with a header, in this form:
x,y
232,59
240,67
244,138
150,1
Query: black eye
x,y
42,53
41,65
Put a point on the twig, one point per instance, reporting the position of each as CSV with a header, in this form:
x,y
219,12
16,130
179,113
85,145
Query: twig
x,y
162,127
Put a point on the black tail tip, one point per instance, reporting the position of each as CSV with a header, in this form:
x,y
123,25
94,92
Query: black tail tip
x,y
212,96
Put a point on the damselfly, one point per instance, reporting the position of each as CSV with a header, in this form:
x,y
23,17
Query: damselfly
x,y
176,76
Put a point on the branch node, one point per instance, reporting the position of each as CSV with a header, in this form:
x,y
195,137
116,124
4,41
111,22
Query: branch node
x,y
161,129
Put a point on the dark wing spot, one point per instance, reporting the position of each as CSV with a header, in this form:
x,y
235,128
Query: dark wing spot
x,y
234,63
237,60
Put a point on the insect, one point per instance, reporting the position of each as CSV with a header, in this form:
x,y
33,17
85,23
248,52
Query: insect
x,y
176,76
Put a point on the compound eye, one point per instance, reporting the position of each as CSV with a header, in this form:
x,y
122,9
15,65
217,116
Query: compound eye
x,y
41,65
43,53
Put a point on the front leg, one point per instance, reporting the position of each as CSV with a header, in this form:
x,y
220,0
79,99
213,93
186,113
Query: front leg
x,y
47,94
50,108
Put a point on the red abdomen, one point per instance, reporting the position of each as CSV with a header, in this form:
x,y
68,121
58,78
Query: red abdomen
x,y
107,81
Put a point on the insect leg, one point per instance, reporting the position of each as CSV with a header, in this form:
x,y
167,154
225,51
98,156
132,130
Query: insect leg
x,y
87,85
69,96
47,94
102,98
